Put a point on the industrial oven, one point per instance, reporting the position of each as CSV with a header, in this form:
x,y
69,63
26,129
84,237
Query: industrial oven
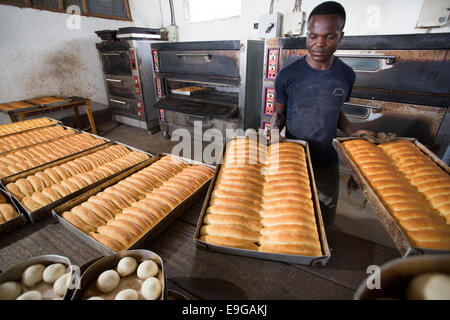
x,y
128,71
224,78
402,83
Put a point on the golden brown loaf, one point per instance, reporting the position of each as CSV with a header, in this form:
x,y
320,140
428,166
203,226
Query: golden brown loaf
x,y
119,215
7,212
411,186
262,201
25,125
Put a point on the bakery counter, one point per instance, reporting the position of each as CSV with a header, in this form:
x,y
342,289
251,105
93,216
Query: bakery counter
x,y
201,274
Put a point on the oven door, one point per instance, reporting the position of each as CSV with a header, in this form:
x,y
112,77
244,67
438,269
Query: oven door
x,y
116,62
122,86
124,106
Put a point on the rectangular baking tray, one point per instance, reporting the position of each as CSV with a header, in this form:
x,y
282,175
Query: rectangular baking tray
x,y
42,104
48,125
46,210
15,223
191,93
392,228
153,232
288,258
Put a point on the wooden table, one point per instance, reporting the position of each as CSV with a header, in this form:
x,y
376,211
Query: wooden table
x,y
200,274
34,110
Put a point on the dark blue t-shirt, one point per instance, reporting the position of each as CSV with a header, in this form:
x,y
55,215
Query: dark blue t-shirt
x,y
313,99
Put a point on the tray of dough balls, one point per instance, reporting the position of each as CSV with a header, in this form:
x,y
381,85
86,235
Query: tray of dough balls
x,y
45,277
22,159
39,190
407,186
127,275
10,216
21,126
262,203
126,211
34,136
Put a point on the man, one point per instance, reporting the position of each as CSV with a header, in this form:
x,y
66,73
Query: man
x,y
309,94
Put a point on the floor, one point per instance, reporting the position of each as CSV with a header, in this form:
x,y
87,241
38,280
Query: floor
x,y
354,216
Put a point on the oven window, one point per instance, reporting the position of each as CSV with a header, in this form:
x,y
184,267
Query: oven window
x,y
117,63
363,64
359,112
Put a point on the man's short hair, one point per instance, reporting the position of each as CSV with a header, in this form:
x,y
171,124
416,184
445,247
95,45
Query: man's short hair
x,y
329,7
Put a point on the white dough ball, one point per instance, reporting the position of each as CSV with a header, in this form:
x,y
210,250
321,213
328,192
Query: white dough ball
x,y
147,269
96,298
53,272
10,290
151,289
127,294
126,266
429,286
61,284
31,295
108,281
32,275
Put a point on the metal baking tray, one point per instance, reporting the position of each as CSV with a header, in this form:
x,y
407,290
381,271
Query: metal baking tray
x,y
393,229
18,221
15,273
289,258
105,141
110,262
190,93
46,210
153,232
42,104
48,125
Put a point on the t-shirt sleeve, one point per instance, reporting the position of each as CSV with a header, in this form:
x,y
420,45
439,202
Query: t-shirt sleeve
x,y
350,84
280,85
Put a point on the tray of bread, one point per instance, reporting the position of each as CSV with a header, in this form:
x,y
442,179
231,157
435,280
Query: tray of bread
x,y
39,190
10,215
21,126
262,203
408,188
17,106
49,101
127,275
30,137
133,207
191,90
47,277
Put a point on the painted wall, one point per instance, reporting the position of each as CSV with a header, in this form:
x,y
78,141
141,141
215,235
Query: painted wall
x,y
363,17
40,56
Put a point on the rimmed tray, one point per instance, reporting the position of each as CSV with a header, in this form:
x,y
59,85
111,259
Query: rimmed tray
x,y
289,258
16,222
110,262
15,273
46,210
153,232
390,225
47,125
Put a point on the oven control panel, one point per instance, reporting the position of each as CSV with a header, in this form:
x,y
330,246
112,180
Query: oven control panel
x,y
159,87
155,60
140,107
269,101
265,125
272,63
162,115
133,59
136,85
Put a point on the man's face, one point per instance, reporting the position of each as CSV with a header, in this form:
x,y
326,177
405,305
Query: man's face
x,y
324,35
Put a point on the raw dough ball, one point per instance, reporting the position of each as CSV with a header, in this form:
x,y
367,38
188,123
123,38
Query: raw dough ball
x,y
53,272
96,298
30,295
61,284
429,286
126,266
9,290
127,294
108,281
151,289
147,269
32,275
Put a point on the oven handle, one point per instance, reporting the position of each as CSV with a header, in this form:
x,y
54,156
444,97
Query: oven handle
x,y
206,55
118,101
113,80
110,54
389,59
375,109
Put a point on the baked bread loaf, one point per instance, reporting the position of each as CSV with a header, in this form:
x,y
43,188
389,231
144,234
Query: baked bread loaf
x,y
262,201
412,188
120,214
7,212
25,125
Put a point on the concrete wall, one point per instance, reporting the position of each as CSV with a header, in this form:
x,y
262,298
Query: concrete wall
x,y
40,56
363,17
